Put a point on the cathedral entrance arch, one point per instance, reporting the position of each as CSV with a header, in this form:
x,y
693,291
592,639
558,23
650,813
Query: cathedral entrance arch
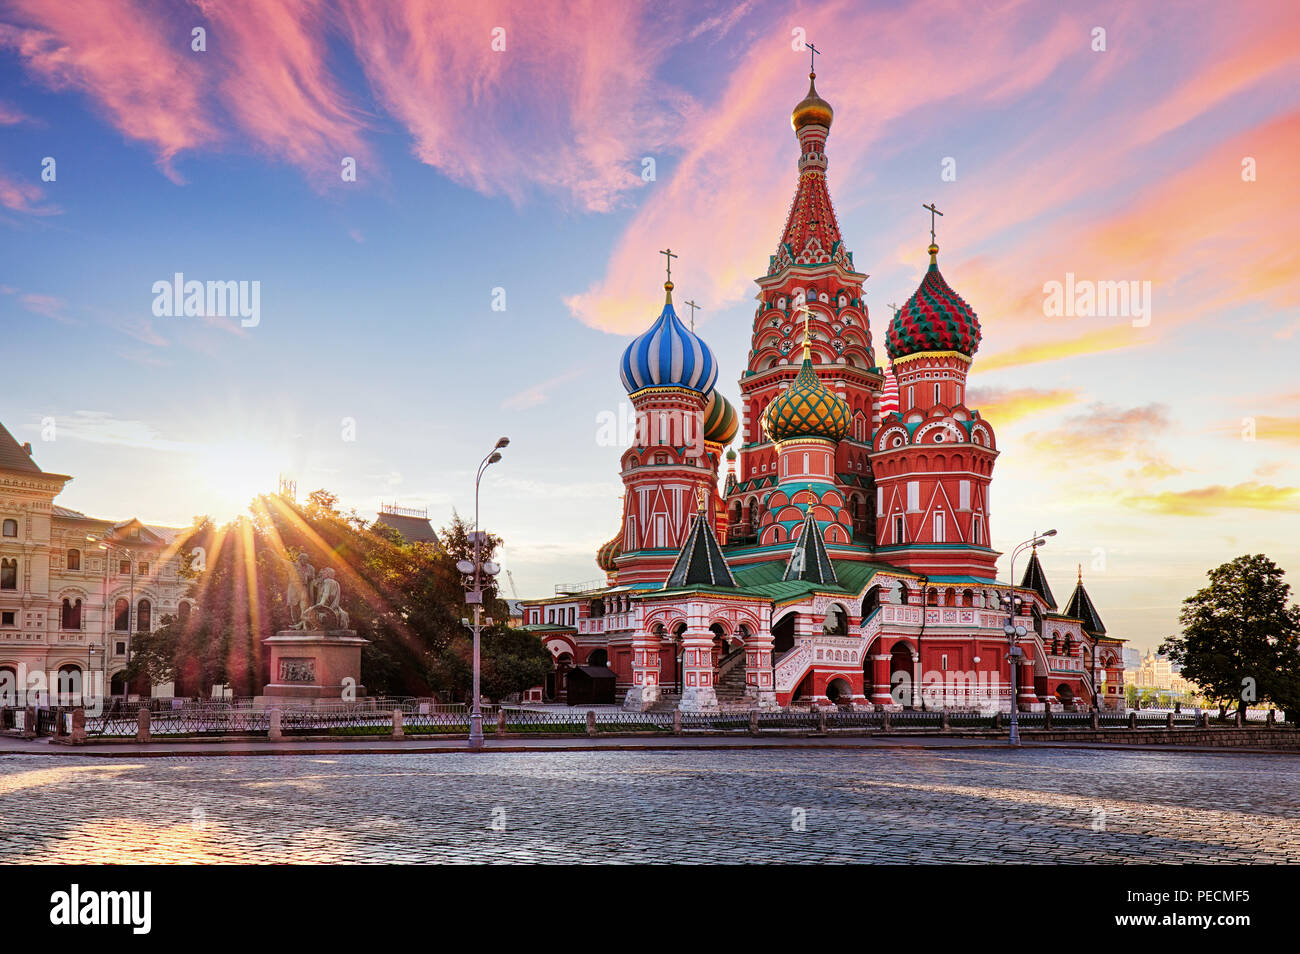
x,y
902,674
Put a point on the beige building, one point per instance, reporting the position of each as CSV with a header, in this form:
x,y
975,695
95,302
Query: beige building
x,y
1156,672
73,588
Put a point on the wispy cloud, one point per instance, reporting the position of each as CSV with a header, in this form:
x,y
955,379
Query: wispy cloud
x,y
1007,405
1206,500
121,55
538,393
1104,434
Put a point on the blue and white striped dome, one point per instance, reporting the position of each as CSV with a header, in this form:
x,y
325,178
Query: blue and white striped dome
x,y
668,355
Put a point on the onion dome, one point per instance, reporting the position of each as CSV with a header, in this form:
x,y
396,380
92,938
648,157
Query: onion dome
x,y
720,421
935,318
668,355
731,454
610,552
806,409
812,109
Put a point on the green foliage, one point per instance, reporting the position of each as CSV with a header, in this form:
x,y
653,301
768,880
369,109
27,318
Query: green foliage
x,y
406,598
512,660
1241,638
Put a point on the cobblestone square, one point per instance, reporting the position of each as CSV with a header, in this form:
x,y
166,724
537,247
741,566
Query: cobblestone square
x,y
921,806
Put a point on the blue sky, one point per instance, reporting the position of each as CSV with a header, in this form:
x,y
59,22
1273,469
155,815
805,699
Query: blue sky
x,y
521,169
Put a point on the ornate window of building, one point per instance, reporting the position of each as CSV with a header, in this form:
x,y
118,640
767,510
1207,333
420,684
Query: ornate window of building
x,y
898,528
74,559
8,574
10,528
124,567
121,615
144,569
71,615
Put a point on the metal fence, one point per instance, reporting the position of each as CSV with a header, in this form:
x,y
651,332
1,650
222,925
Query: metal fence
x,y
374,717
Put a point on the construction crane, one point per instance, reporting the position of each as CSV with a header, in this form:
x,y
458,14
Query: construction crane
x,y
513,588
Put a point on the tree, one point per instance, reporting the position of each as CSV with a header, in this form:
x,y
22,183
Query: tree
x,y
407,599
513,660
1241,637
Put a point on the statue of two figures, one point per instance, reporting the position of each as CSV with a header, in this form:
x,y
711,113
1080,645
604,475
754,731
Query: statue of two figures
x,y
314,597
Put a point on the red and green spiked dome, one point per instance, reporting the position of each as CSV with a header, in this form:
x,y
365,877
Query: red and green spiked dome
x,y
610,552
806,409
720,422
935,318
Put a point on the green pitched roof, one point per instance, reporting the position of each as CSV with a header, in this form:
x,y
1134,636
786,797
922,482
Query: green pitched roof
x,y
808,560
1035,579
700,561
1081,608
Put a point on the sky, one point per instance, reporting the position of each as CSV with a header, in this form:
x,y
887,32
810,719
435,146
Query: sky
x,y
519,165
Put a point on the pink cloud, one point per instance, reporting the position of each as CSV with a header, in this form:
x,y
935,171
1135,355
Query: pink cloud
x,y
570,105
920,57
275,79
122,55
23,197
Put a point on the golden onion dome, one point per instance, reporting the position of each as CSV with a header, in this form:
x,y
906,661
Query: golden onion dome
x,y
812,110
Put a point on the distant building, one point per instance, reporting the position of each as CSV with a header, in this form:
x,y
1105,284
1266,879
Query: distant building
x,y
74,588
1132,658
411,523
1157,672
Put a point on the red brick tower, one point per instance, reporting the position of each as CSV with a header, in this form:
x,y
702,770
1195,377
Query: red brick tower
x,y
933,458
811,266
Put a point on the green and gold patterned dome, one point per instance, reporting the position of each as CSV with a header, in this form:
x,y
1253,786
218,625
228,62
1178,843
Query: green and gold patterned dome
x,y
807,409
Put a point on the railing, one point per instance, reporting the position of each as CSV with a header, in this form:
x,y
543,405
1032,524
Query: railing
x,y
791,667
375,718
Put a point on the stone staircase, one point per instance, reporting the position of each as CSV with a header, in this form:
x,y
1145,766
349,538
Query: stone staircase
x,y
730,686
666,702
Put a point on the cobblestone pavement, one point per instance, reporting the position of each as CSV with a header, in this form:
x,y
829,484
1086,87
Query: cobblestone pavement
x,y
792,806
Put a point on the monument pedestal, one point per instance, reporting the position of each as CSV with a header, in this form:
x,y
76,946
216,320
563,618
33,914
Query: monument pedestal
x,y
313,667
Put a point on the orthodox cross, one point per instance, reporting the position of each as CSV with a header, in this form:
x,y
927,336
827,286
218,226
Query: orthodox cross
x,y
669,256
893,306
807,335
693,306
812,52
933,213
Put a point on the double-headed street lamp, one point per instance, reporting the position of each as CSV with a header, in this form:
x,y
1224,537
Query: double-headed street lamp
x,y
478,574
1015,632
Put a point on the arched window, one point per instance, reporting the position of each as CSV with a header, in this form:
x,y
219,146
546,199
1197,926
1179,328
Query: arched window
x,y
183,611
121,615
8,574
143,616
10,528
74,559
71,616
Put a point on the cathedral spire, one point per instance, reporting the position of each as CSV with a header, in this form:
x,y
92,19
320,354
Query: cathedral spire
x,y
812,234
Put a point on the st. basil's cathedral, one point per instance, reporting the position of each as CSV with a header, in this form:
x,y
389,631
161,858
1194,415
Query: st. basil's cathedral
x,y
845,557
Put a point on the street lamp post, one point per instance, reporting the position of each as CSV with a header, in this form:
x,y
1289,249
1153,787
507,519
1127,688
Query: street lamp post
x,y
477,573
1015,632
